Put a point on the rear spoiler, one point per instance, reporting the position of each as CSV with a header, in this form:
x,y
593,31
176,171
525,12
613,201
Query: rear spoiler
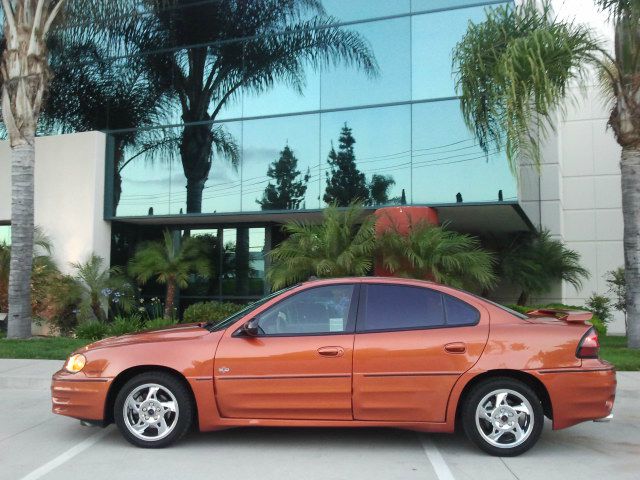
x,y
571,316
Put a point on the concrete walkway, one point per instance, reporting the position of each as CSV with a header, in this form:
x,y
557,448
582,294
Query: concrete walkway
x,y
36,444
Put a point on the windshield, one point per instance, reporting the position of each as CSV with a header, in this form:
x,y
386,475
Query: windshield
x,y
214,327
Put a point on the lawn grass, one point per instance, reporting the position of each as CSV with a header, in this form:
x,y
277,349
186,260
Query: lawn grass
x,y
52,348
613,349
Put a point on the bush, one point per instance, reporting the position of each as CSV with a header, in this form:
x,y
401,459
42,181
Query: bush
x,y
158,323
600,306
519,308
123,325
92,330
60,303
210,311
599,325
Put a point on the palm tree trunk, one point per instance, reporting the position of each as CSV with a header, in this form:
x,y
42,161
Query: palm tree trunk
x,y
195,150
22,168
630,168
170,300
523,299
117,177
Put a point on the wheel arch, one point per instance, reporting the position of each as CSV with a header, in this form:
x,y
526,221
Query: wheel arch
x,y
533,382
123,377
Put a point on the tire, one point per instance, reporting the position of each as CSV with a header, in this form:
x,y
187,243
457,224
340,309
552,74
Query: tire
x,y
512,428
153,410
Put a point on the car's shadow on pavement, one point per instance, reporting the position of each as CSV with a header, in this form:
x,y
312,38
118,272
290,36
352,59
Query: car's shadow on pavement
x,y
351,438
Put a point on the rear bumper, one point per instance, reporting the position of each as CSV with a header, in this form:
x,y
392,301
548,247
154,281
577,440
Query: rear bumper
x,y
79,396
606,419
580,395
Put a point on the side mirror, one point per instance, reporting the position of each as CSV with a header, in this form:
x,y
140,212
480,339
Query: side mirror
x,y
251,328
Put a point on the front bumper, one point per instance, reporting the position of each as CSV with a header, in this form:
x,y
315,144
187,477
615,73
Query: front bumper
x,y
79,396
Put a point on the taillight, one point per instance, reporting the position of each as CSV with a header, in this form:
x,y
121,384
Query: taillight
x,y
589,346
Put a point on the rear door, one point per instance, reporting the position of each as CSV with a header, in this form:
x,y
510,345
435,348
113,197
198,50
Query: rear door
x,y
412,343
299,366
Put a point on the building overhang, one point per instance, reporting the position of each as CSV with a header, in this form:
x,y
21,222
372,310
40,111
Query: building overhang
x,y
495,218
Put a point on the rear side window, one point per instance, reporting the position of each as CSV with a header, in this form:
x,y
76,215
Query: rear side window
x,y
397,307
459,313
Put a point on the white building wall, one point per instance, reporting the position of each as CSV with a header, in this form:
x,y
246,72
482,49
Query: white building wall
x,y
577,195
69,194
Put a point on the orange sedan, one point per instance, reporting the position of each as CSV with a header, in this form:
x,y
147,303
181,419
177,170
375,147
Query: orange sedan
x,y
349,352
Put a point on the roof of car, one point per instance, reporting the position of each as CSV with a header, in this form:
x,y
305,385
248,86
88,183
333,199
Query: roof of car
x,y
399,280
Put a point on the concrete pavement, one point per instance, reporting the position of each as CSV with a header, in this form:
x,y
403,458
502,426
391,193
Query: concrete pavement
x,y
36,444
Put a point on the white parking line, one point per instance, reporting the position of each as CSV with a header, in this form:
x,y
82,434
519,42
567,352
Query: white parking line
x,y
437,462
66,456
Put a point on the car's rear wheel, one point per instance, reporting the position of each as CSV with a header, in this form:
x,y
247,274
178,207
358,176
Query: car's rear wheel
x,y
153,410
503,416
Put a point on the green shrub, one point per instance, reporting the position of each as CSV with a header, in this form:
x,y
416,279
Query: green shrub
x,y
92,330
210,311
158,323
599,325
59,303
519,308
124,325
600,306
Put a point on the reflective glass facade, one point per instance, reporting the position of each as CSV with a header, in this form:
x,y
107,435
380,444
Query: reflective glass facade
x,y
405,121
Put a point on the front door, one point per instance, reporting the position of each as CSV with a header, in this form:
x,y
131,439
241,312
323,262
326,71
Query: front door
x,y
412,344
299,366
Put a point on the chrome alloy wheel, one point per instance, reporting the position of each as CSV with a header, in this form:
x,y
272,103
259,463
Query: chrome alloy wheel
x,y
150,412
504,418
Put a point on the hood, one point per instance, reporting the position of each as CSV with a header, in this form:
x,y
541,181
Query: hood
x,y
166,334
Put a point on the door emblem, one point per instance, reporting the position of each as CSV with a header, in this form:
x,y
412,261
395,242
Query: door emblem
x,y
224,369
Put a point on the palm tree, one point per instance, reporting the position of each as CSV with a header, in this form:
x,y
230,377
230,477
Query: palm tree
x,y
513,74
535,262
170,262
25,76
342,245
434,252
102,285
277,42
5,259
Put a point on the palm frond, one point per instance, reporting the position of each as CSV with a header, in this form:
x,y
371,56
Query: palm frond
x,y
513,71
433,252
170,260
535,262
342,245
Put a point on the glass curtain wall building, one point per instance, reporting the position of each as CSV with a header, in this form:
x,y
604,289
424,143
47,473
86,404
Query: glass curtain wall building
x,y
401,126
405,121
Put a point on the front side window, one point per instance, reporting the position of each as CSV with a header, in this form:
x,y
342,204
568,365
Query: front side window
x,y
314,311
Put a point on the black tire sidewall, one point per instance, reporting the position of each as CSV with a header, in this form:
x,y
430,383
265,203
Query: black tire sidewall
x,y
185,408
474,397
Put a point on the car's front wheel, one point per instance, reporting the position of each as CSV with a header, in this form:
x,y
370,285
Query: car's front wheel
x,y
153,410
503,416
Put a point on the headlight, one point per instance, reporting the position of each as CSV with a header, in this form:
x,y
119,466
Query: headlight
x,y
75,363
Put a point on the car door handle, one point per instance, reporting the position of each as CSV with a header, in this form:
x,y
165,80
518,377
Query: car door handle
x,y
331,351
455,347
